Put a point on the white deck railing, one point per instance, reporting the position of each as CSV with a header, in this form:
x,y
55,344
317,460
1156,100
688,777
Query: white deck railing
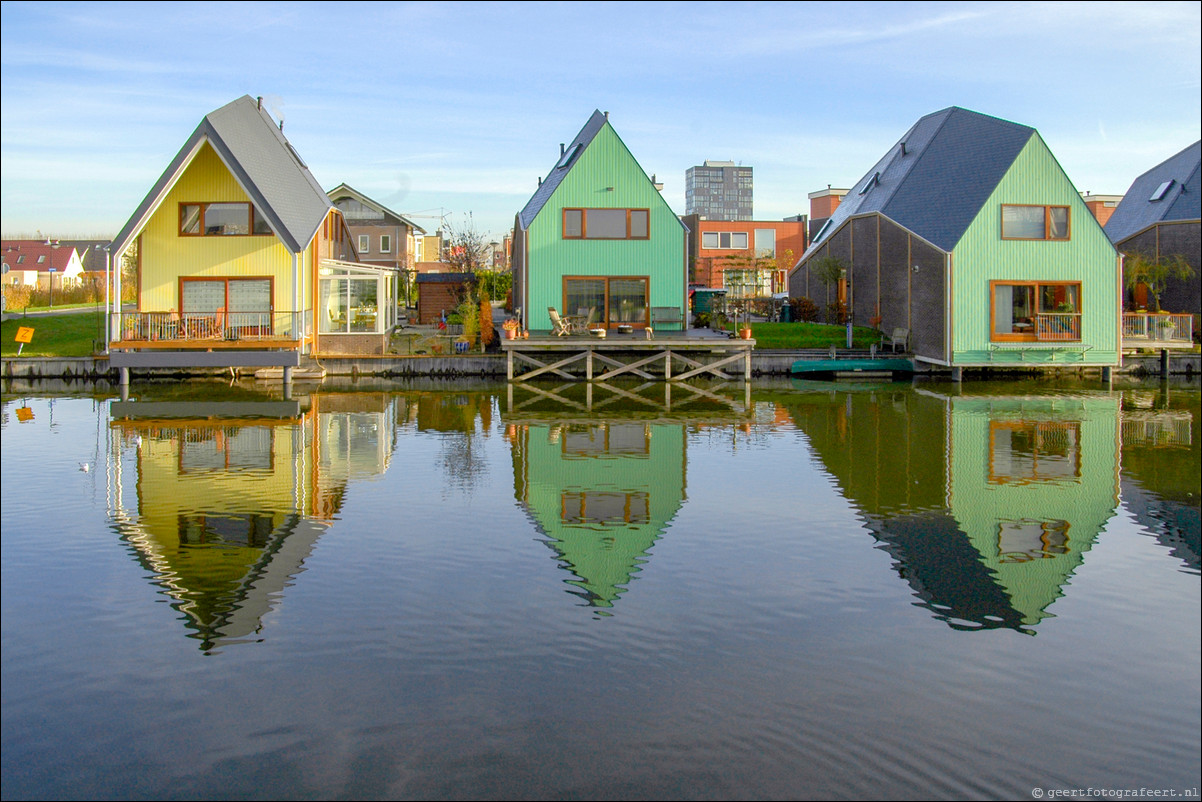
x,y
1158,328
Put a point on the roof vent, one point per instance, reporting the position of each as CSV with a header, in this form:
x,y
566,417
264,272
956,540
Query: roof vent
x,y
903,146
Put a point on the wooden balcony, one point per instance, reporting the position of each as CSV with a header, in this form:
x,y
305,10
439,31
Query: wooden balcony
x,y
212,331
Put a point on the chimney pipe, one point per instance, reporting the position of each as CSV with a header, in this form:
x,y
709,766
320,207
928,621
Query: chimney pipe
x,y
561,149
259,103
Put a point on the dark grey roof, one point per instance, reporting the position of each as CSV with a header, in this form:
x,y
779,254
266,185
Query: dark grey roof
x,y
554,178
345,190
937,177
445,278
1181,201
264,164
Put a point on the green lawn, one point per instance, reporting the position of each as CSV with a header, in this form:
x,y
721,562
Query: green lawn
x,y
54,335
810,335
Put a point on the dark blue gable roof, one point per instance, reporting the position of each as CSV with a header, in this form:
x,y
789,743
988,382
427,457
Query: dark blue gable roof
x,y
937,177
1180,201
554,178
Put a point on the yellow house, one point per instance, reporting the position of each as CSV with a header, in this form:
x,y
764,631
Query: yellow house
x,y
230,245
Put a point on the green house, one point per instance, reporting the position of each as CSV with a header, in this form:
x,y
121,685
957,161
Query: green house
x,y
969,235
597,239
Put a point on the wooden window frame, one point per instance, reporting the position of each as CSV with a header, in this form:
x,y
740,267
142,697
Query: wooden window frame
x,y
204,205
1047,222
583,210
1032,337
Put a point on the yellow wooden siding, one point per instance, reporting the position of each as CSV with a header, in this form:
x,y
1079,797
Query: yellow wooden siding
x,y
166,256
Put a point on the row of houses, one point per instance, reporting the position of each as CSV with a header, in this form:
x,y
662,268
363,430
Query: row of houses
x,y
967,233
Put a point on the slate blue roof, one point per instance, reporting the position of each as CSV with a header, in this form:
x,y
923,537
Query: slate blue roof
x,y
265,165
1181,201
937,177
557,174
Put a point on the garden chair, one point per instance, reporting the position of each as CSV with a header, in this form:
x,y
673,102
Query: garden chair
x,y
900,337
562,327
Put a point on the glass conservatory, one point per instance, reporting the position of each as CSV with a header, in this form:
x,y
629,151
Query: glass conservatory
x,y
355,299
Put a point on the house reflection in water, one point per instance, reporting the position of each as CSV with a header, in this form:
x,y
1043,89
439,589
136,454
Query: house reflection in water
x,y
1161,430
602,491
232,496
987,503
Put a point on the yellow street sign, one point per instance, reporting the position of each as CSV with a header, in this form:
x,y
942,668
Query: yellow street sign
x,y
24,334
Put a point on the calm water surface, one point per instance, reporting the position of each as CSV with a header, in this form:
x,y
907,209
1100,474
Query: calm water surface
x,y
797,590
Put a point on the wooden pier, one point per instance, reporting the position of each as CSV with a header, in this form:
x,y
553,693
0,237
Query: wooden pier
x,y
671,357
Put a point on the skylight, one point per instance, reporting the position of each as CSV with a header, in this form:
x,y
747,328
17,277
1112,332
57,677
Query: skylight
x,y
870,183
567,157
1161,191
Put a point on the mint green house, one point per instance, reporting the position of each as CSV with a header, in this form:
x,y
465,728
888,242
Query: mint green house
x,y
969,235
598,240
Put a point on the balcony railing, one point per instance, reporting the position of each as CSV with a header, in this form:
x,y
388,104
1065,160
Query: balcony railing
x,y
1144,327
207,327
1058,326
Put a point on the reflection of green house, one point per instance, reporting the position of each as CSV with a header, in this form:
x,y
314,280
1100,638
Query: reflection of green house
x,y
598,239
988,527
602,492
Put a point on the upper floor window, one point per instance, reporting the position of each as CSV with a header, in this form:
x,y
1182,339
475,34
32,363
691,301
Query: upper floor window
x,y
220,220
364,243
1035,222
606,224
724,240
385,243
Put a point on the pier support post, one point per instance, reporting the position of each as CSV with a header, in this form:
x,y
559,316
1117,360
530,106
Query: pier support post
x,y
957,374
1164,362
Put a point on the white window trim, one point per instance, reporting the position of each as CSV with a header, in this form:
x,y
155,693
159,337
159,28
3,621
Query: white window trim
x,y
385,243
364,244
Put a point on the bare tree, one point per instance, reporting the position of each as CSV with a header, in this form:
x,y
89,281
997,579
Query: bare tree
x,y
466,248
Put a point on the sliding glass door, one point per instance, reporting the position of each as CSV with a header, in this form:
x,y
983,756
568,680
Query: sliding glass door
x,y
608,300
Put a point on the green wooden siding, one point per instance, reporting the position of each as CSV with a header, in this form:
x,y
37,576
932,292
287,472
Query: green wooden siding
x,y
605,175
1088,256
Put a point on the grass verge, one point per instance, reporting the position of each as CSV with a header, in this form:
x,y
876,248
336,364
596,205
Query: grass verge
x,y
810,335
53,335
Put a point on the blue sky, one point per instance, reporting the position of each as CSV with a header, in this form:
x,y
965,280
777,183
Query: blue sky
x,y
453,108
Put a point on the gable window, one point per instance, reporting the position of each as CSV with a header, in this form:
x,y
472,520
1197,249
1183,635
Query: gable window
x,y
606,224
724,240
364,244
1033,311
221,220
1035,222
385,243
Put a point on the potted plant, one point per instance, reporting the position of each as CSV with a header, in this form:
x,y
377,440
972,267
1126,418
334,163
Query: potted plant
x,y
511,328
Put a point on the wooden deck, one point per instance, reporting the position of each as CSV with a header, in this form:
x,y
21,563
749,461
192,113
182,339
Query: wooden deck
x,y
671,356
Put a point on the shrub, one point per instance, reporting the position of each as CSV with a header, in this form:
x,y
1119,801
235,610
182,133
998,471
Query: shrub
x,y
837,313
804,310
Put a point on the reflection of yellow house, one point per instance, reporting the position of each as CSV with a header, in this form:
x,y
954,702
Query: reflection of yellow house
x,y
988,527
228,506
603,491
